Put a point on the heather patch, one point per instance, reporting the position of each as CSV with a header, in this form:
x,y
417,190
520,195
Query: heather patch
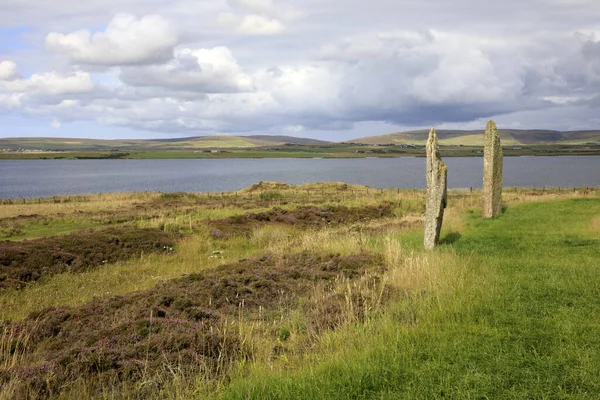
x,y
183,324
303,217
27,261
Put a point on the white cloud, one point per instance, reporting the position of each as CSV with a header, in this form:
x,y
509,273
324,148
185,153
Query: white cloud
x,y
259,25
228,19
379,44
284,11
301,88
8,70
265,17
265,6
252,24
126,41
465,73
198,70
11,100
51,83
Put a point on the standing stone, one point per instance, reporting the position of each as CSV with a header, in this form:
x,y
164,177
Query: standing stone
x,y
437,177
492,172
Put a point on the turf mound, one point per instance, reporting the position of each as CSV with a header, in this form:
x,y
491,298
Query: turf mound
x,y
267,185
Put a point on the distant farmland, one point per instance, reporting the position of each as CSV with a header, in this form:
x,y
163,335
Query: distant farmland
x,y
509,137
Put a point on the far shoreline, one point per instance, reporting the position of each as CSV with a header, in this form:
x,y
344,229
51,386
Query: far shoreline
x,y
13,156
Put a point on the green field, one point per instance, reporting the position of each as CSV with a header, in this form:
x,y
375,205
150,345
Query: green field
x,y
516,316
299,292
190,143
509,137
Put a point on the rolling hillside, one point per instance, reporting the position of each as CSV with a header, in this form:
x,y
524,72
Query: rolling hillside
x,y
510,137
475,138
189,143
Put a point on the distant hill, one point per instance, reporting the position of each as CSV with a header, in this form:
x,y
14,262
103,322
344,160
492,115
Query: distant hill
x,y
190,143
509,137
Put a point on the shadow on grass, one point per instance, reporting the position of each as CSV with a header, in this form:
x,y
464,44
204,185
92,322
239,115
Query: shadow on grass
x,y
450,238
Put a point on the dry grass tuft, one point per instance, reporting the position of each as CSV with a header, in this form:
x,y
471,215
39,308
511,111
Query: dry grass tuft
x,y
523,195
595,224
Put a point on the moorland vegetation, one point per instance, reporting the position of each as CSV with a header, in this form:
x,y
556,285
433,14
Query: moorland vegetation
x,y
314,291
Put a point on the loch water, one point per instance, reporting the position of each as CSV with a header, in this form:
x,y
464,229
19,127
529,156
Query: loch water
x,y
44,178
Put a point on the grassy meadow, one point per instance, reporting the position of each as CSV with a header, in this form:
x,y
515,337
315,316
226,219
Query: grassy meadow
x,y
292,292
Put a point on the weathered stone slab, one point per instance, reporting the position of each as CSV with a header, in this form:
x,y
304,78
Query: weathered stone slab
x,y
436,198
492,172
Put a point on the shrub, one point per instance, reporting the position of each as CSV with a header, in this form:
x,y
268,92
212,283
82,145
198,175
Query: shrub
x,y
270,195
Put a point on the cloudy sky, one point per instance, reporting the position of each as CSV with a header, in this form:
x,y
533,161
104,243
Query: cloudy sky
x,y
329,69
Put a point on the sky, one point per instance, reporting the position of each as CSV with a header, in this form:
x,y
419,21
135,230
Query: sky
x,y
326,69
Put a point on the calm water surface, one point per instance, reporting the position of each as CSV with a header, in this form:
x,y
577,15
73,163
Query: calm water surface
x,y
42,178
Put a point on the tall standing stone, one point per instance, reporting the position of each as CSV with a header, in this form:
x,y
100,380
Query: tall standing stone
x,y
492,172
437,177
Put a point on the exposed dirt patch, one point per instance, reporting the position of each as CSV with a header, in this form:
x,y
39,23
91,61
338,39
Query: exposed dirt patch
x,y
179,323
26,261
301,217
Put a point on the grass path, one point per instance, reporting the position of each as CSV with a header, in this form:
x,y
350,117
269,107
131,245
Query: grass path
x,y
521,321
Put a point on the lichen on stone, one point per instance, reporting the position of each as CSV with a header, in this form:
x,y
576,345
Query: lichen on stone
x,y
492,172
436,197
